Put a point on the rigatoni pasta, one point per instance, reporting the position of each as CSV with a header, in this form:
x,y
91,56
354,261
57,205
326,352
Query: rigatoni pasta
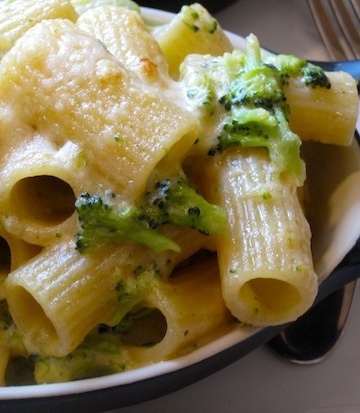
x,y
124,34
19,16
265,258
323,122
59,297
188,315
193,30
48,312
37,75
39,195
139,217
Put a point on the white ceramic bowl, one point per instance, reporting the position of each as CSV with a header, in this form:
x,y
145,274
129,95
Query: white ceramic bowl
x,y
337,172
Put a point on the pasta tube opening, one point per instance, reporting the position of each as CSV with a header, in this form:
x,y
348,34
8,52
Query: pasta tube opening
x,y
43,198
269,296
39,328
4,359
141,327
5,265
5,257
193,307
16,364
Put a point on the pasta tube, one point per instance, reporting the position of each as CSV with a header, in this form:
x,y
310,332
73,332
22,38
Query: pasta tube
x,y
41,183
80,290
81,6
125,35
16,17
193,308
193,30
91,99
324,115
37,199
265,259
14,252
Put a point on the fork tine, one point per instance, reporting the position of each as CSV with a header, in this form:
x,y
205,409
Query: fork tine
x,y
331,28
327,32
356,7
347,25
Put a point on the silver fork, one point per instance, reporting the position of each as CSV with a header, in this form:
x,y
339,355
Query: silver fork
x,y
338,22
309,339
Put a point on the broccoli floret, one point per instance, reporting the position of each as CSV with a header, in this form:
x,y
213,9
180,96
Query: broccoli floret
x,y
259,87
314,76
171,201
247,100
131,292
292,66
257,112
246,128
95,357
202,92
174,201
256,84
131,320
9,333
101,223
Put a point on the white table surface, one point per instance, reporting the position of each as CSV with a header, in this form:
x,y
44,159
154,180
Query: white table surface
x,y
261,382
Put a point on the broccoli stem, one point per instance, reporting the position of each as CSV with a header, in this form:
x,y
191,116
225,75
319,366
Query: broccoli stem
x,y
253,56
101,224
95,357
242,93
257,112
174,201
171,201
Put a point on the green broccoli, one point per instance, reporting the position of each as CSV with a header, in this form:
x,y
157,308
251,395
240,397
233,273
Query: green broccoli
x,y
9,333
131,292
292,66
102,352
245,94
174,201
101,223
202,92
96,356
315,76
257,110
171,201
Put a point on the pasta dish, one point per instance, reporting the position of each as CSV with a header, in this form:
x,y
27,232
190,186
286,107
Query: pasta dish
x,y
153,191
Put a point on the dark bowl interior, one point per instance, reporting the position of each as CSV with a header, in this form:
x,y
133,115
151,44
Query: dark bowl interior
x,y
175,5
